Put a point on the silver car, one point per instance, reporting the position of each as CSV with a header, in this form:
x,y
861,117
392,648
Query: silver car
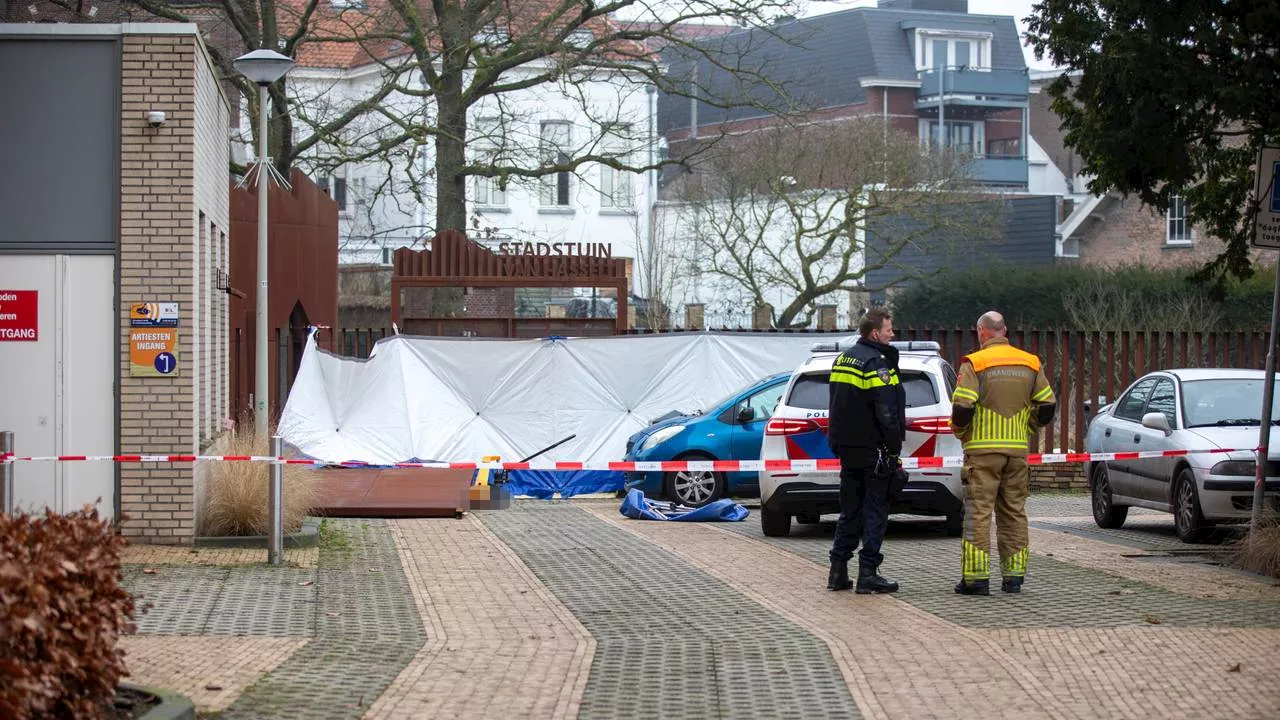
x,y
1200,409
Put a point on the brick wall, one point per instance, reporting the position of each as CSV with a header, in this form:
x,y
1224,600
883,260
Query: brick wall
x,y
172,220
1058,477
491,303
1122,231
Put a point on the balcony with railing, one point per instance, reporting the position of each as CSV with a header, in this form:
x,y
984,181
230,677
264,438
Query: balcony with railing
x,y
999,170
980,87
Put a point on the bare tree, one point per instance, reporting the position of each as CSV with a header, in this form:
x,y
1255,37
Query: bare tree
x,y
437,62
782,214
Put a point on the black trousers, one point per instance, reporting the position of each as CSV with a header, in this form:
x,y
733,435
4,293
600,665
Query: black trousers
x,y
864,510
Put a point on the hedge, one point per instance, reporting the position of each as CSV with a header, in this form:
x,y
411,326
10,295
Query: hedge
x,y
1084,298
61,612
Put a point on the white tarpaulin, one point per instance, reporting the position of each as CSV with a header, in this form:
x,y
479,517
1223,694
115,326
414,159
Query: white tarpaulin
x,y
462,399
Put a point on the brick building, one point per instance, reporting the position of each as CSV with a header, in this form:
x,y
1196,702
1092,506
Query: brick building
x,y
1108,230
105,205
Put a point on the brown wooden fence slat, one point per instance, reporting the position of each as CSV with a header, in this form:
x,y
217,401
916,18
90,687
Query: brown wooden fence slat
x,y
1064,373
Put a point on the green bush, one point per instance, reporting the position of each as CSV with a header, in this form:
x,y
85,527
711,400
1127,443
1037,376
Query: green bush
x,y
61,612
1085,298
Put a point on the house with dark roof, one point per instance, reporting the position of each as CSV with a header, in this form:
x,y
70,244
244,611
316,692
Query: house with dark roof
x,y
927,67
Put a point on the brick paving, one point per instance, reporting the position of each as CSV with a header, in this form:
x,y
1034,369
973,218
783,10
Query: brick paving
x,y
499,643
212,671
566,609
170,555
672,640
921,665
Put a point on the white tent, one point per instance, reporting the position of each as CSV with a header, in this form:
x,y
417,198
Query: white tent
x,y
462,399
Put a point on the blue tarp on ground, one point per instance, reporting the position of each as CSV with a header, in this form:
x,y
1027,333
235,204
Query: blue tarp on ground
x,y
545,484
637,507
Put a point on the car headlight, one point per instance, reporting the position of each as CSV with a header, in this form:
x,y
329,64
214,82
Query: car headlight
x,y
1243,468
660,437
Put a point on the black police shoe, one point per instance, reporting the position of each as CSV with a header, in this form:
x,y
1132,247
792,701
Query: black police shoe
x,y
977,587
1011,585
873,583
838,578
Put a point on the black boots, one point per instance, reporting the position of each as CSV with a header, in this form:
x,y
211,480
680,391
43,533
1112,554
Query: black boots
x,y
871,582
1011,585
838,578
868,581
977,587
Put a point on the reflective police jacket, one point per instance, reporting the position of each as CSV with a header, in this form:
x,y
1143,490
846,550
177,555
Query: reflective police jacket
x,y
1001,399
868,403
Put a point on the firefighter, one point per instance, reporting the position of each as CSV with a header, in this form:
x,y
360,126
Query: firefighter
x,y
867,427
1001,400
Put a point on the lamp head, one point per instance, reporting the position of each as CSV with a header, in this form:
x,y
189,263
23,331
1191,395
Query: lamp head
x,y
263,66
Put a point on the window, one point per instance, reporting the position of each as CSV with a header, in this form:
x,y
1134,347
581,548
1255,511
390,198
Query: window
x,y
949,378
763,403
1131,405
1005,147
555,150
336,187
936,50
616,186
1177,229
1225,402
1164,401
812,392
962,137
488,142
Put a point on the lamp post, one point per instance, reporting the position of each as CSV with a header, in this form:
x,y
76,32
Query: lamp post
x,y
263,67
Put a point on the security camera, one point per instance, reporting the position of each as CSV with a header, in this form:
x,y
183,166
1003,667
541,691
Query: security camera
x,y
155,118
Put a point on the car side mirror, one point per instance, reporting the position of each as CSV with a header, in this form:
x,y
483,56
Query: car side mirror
x,y
746,414
1157,421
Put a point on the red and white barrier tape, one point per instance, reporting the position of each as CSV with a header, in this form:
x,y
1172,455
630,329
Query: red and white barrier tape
x,y
822,465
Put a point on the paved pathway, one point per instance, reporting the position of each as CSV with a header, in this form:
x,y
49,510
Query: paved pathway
x,y
563,610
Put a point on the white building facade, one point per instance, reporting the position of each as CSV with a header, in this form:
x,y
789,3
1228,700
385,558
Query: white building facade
x,y
387,201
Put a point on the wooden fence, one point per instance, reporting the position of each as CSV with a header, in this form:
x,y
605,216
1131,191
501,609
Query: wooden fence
x,y
1086,369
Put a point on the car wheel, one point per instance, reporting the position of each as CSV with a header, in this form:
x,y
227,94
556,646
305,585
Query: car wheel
x,y
775,523
694,488
955,524
1105,511
1187,517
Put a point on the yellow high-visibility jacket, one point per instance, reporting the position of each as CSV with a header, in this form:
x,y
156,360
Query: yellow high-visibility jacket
x,y
1001,399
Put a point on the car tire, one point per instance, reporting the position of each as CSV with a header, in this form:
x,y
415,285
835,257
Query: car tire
x,y
955,524
693,488
1188,520
1106,514
775,523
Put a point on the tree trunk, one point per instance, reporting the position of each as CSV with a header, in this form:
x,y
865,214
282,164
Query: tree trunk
x,y
451,149
451,140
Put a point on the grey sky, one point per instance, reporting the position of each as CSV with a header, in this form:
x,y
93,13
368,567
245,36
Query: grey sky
x,y
1019,9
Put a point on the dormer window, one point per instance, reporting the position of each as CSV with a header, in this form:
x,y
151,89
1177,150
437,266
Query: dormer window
x,y
952,50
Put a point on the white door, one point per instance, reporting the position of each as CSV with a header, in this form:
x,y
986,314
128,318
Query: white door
x,y
59,394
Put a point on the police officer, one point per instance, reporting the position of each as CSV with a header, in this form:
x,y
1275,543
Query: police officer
x,y
867,426
1001,400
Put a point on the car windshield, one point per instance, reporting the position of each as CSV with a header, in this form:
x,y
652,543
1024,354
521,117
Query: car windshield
x,y
811,391
1224,402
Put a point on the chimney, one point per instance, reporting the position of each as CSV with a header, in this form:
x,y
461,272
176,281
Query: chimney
x,y
951,6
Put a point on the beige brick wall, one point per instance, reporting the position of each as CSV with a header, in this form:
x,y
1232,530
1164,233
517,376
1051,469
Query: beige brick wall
x,y
168,183
212,197
1125,232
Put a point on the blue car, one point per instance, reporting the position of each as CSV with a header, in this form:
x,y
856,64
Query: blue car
x,y
731,429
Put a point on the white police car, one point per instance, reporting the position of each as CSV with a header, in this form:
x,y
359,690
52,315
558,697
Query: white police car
x,y
798,431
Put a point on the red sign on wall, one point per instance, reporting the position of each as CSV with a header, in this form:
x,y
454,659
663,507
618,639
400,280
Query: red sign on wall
x,y
19,315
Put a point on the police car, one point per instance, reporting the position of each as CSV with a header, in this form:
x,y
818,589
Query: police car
x,y
798,431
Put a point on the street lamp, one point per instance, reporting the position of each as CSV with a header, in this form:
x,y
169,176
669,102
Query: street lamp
x,y
263,67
